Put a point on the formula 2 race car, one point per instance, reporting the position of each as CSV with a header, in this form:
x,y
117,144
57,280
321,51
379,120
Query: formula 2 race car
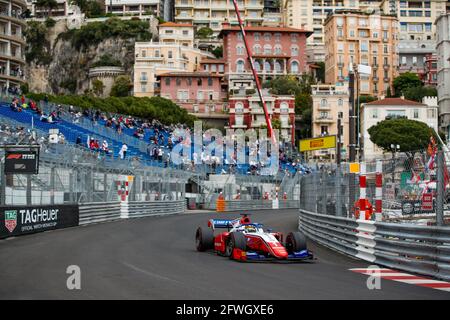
x,y
247,241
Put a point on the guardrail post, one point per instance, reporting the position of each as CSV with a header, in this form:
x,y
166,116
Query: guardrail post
x,y
440,189
324,193
28,191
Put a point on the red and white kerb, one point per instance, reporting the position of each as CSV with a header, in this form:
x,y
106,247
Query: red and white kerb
x,y
378,190
362,191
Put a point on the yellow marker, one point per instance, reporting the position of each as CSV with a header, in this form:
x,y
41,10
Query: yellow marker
x,y
354,167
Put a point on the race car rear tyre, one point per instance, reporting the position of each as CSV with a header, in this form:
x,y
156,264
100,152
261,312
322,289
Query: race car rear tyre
x,y
204,239
236,241
295,242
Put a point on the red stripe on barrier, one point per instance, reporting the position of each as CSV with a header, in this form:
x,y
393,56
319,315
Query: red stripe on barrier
x,y
362,181
378,180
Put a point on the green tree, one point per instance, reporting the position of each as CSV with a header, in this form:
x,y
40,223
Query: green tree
x,y
321,71
204,33
410,135
417,93
405,81
121,86
97,87
38,47
106,60
276,124
218,52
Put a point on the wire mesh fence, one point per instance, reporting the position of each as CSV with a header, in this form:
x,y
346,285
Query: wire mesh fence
x,y
415,188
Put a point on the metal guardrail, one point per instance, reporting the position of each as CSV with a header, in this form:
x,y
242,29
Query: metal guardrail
x,y
418,249
157,208
99,212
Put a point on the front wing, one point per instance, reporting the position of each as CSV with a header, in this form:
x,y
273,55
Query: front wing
x,y
249,256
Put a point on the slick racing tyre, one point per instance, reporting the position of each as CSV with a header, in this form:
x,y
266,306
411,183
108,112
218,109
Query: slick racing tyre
x,y
236,240
204,239
295,242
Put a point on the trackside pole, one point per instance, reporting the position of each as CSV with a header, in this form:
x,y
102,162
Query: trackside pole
x,y
362,191
255,74
378,190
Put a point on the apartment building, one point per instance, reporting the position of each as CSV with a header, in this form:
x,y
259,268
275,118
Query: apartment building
x,y
391,108
159,8
276,52
272,13
311,15
12,43
353,37
197,92
176,33
443,71
330,103
246,112
212,13
173,53
63,8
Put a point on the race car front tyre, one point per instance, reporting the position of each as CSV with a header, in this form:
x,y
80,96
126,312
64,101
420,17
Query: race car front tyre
x,y
236,240
204,239
295,242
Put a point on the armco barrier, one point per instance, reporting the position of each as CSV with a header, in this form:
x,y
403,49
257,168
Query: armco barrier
x,y
418,249
156,208
99,212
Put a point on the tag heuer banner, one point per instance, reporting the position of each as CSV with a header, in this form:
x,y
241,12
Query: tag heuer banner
x,y
19,220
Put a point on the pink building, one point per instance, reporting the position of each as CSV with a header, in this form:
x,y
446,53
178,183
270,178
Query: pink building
x,y
430,78
246,112
276,51
197,92
212,65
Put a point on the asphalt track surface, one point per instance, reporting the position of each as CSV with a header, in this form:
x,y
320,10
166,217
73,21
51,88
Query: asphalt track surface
x,y
155,258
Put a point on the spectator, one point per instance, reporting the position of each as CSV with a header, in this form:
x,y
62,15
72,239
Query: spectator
x,y
123,151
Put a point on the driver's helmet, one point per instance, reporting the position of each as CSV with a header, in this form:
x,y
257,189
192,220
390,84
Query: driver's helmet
x,y
249,228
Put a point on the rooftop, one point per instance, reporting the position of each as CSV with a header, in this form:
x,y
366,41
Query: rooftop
x,y
173,24
227,29
395,102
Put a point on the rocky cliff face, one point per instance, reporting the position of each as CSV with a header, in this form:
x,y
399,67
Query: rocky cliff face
x,y
68,71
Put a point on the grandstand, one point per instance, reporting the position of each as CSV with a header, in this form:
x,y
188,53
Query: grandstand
x,y
82,126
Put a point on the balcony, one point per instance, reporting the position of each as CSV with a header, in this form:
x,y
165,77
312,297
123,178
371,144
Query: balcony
x,y
323,108
386,79
184,4
386,66
375,66
340,64
143,79
324,119
375,79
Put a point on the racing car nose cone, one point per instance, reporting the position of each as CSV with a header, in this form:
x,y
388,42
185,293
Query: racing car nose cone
x,y
278,250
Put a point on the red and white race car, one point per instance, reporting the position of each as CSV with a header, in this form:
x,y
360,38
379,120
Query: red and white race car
x,y
247,241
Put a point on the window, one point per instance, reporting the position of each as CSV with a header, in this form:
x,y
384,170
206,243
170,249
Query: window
x,y
239,36
199,81
340,102
267,66
143,88
323,130
284,107
257,66
178,81
294,67
157,53
185,32
240,66
257,36
277,37
375,114
364,46
170,54
257,49
210,82
144,53
416,113
239,50
200,95
294,37
277,67
277,49
294,51
267,36
268,49
323,102
167,81
239,108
